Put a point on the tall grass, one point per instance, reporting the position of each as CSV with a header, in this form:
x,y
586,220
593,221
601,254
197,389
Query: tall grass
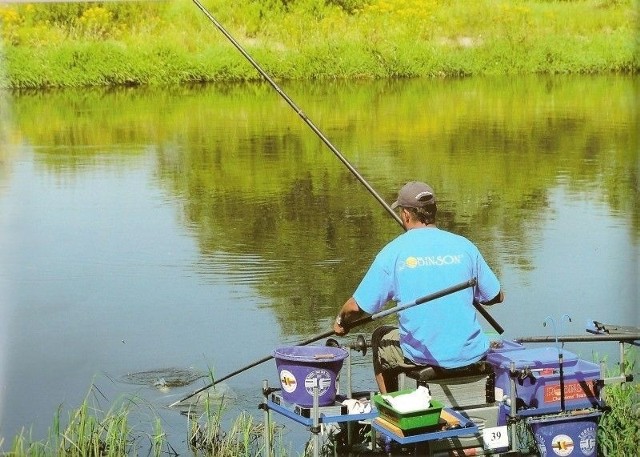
x,y
207,436
91,432
619,428
171,42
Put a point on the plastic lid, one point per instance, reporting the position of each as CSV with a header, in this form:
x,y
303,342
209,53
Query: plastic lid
x,y
317,354
532,358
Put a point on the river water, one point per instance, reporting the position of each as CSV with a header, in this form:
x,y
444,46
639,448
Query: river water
x,y
196,229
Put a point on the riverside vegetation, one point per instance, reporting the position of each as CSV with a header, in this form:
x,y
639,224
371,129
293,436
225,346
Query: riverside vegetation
x,y
90,432
172,42
168,43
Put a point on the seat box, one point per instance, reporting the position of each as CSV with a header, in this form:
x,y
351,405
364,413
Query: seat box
x,y
538,381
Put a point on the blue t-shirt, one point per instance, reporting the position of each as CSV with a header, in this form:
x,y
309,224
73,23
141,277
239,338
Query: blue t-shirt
x,y
443,332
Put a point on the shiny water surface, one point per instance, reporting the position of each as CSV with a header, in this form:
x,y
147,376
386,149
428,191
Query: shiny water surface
x,y
151,237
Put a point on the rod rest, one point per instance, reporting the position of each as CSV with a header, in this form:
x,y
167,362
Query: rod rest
x,y
429,373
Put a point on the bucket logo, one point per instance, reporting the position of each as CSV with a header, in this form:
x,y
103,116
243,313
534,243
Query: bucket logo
x,y
321,378
288,381
588,441
562,445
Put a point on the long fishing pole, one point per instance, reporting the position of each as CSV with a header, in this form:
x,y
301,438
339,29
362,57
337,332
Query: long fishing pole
x,y
295,107
497,327
351,325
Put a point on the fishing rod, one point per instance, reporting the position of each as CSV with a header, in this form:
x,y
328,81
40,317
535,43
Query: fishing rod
x,y
497,327
351,325
295,107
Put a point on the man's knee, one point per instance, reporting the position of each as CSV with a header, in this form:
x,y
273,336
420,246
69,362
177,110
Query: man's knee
x,y
380,347
378,334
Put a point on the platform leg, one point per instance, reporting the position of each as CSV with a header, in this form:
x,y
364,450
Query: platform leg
x,y
349,394
373,430
349,375
316,423
268,452
513,410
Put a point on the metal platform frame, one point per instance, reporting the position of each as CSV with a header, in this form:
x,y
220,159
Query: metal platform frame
x,y
322,415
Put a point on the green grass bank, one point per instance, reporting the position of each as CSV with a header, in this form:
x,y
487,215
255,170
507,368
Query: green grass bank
x,y
171,42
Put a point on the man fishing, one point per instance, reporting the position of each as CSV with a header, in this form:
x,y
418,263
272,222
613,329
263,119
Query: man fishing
x,y
444,333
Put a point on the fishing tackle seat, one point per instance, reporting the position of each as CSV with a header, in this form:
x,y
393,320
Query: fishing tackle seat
x,y
470,390
471,384
423,374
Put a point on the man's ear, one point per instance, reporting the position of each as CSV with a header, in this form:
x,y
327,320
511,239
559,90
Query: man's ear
x,y
405,216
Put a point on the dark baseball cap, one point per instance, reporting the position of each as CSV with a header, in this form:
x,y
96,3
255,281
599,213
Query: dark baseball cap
x,y
415,194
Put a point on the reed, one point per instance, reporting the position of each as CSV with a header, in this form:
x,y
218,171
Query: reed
x,y
243,438
92,432
207,435
167,43
89,432
159,440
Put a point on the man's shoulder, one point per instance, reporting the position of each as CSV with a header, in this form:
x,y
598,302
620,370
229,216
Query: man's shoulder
x,y
438,233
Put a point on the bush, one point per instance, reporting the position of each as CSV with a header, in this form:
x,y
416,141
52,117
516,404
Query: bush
x,y
619,430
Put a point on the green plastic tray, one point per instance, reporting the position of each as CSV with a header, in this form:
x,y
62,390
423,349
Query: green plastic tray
x,y
408,421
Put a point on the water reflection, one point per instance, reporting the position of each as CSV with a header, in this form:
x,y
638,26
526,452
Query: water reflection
x,y
205,226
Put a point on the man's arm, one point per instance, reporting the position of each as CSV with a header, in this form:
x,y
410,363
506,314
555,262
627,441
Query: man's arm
x,y
349,312
497,299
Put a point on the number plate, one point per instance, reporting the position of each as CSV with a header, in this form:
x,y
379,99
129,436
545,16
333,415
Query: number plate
x,y
495,437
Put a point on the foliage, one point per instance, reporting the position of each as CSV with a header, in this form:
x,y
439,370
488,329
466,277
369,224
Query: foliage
x,y
305,39
350,6
619,430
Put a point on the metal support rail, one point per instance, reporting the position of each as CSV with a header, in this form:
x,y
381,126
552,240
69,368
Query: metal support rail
x,y
630,338
626,335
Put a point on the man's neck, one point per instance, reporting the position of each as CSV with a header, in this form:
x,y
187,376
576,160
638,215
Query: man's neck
x,y
415,225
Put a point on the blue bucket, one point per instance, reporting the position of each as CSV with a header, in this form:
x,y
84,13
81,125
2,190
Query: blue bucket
x,y
567,436
301,368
